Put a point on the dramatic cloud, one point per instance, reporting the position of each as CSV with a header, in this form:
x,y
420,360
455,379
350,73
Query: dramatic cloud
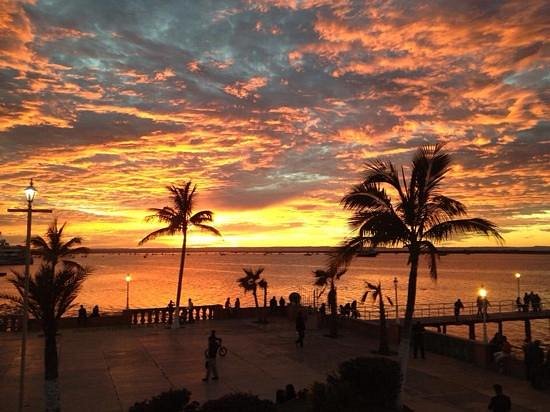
x,y
271,107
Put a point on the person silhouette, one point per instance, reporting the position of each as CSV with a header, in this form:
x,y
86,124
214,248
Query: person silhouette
x,y
82,316
301,329
458,307
95,312
211,353
418,339
228,303
237,304
499,402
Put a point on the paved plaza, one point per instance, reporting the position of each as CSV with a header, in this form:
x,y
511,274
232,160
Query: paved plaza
x,y
108,369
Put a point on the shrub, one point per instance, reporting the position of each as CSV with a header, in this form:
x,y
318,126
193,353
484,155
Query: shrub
x,y
361,384
238,402
170,401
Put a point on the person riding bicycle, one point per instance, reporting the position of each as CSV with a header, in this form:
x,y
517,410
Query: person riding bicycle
x,y
214,344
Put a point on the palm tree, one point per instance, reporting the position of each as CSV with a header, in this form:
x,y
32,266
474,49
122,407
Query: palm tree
x,y
51,295
326,278
417,216
52,248
262,284
376,294
179,218
250,282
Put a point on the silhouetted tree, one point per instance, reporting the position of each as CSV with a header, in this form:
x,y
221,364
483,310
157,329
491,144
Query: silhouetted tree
x,y
250,282
417,215
51,295
262,284
376,294
180,218
326,278
52,248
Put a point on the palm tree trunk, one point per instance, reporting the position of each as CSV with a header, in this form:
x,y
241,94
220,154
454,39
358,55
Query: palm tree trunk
x,y
51,384
334,313
176,320
384,347
404,344
256,303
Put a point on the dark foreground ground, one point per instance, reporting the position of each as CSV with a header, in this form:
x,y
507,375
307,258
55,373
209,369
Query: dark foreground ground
x,y
108,370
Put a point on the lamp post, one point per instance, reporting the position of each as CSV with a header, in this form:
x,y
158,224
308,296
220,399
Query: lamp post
x,y
128,279
483,295
395,281
518,276
30,193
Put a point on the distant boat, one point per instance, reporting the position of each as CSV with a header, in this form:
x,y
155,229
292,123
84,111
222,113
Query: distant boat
x,y
368,253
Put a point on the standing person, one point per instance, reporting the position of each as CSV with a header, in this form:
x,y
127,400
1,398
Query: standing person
x,y
354,312
214,344
418,339
170,308
282,302
228,303
479,303
190,310
82,316
301,329
526,302
273,305
500,402
95,312
237,304
458,307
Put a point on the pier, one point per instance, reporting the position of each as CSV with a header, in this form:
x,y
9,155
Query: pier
x,y
441,315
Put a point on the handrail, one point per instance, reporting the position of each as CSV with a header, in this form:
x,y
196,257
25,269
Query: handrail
x,y
427,310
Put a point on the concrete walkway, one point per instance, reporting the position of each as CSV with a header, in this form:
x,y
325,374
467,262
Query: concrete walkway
x,y
109,369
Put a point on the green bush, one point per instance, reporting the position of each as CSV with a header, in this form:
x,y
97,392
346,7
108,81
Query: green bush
x,y
238,402
170,401
361,384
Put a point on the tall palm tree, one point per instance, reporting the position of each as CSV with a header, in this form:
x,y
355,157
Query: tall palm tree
x,y
376,294
417,216
250,282
262,284
51,295
52,248
179,218
326,278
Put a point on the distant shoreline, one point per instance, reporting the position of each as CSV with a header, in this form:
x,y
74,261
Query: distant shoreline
x,y
537,250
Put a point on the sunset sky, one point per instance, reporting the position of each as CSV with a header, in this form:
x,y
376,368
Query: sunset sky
x,y
271,107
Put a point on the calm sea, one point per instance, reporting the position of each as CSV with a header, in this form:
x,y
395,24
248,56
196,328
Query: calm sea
x,y
210,277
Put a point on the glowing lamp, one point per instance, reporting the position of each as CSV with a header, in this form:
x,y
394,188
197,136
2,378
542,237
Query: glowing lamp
x,y
482,292
30,192
128,278
517,275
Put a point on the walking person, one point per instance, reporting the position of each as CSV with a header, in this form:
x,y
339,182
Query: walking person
x,y
479,303
214,344
458,307
418,340
301,329
500,402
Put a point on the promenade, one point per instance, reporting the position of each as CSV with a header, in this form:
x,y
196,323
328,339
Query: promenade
x,y
108,369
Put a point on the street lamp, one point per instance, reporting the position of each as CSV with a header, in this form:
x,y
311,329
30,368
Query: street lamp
x,y
30,194
483,295
395,281
518,276
128,279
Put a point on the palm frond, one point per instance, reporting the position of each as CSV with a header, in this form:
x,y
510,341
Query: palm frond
x,y
169,230
449,229
389,300
364,297
428,247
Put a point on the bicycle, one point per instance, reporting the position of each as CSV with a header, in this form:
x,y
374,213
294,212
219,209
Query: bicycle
x,y
222,351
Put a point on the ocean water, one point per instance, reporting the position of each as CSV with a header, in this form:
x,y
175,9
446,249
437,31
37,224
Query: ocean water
x,y
210,277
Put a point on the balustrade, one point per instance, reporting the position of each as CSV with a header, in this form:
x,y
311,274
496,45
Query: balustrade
x,y
152,316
